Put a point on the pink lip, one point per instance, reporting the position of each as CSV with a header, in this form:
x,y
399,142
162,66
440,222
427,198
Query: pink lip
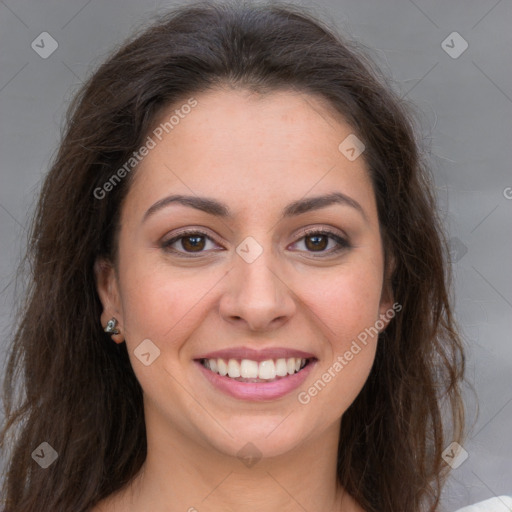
x,y
240,353
257,391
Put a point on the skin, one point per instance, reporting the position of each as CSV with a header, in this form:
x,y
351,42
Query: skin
x,y
256,154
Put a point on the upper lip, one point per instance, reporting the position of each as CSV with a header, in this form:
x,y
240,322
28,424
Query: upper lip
x,y
256,355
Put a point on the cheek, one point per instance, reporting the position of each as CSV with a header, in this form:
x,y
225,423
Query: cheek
x,y
346,299
348,306
162,303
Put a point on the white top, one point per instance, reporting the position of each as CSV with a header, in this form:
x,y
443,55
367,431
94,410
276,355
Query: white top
x,y
498,504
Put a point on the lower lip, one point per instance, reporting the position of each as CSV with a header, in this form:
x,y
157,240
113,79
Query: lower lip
x,y
257,391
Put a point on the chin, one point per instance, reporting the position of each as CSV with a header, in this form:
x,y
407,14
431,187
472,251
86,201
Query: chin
x,y
258,437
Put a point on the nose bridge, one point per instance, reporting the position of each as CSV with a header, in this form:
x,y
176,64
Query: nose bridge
x,y
258,277
256,292
255,268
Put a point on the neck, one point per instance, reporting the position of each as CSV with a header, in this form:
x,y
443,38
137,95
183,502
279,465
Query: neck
x,y
195,478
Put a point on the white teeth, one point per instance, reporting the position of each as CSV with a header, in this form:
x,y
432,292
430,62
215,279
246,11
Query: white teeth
x,y
267,370
233,368
248,369
222,367
281,369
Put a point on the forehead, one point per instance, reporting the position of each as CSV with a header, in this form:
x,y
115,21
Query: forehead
x,y
249,148
280,125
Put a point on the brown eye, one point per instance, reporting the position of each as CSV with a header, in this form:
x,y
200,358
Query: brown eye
x,y
188,243
317,242
193,243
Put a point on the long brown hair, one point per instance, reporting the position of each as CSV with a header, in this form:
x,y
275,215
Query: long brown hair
x,y
68,385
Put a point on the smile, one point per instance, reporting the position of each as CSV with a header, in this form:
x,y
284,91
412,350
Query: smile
x,y
258,379
248,370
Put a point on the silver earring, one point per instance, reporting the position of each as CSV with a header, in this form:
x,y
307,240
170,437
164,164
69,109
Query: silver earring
x,y
111,326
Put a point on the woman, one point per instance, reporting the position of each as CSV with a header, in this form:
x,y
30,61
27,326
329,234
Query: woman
x,y
239,296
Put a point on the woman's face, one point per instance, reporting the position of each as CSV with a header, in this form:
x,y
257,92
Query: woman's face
x,y
247,284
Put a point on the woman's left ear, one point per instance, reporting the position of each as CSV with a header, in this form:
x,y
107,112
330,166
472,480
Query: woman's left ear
x,y
386,306
108,292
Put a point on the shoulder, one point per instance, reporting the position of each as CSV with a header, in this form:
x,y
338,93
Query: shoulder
x,y
498,504
104,505
115,502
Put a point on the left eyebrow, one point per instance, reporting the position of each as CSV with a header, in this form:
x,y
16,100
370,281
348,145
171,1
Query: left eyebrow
x,y
315,203
214,207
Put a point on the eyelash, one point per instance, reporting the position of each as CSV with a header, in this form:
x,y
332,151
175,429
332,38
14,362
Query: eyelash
x,y
343,244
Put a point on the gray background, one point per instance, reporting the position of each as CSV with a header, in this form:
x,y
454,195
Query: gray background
x,y
466,121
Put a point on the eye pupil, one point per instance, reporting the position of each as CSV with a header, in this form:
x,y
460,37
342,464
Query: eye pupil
x,y
316,244
193,246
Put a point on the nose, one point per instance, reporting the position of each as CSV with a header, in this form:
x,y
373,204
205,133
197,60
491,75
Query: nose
x,y
257,295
